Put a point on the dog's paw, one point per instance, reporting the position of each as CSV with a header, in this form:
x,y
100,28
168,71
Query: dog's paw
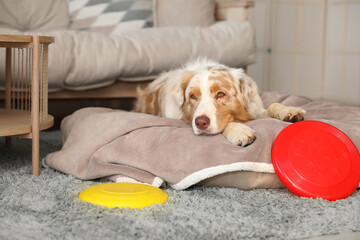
x,y
285,113
292,114
239,134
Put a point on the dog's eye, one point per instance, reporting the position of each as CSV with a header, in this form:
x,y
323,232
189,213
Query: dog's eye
x,y
192,96
220,95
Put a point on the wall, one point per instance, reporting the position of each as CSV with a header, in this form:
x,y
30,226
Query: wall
x,y
308,47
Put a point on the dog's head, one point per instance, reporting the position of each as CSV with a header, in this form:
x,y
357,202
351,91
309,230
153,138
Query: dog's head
x,y
212,97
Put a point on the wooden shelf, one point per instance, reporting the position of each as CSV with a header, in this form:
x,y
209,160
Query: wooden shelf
x,y
30,67
25,39
18,122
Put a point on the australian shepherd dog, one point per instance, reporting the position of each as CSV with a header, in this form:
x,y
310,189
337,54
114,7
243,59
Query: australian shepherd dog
x,y
213,98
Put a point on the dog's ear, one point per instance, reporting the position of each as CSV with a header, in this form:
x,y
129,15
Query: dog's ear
x,y
248,94
246,88
179,90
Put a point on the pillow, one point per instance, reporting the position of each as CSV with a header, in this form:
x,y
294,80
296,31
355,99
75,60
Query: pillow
x,y
184,13
34,15
110,16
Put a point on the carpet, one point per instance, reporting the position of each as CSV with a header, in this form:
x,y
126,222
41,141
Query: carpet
x,y
47,207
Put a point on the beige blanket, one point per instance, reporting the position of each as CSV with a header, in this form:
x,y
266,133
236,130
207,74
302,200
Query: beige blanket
x,y
126,146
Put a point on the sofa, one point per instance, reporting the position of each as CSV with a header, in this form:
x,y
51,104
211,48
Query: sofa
x,y
104,49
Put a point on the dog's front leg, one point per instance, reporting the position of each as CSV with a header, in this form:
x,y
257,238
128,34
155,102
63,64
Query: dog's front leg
x,y
239,134
285,113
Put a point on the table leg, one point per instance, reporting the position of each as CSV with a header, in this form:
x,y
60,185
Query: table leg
x,y
7,142
8,89
35,106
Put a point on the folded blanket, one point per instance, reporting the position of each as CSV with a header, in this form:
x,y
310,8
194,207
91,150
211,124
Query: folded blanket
x,y
127,146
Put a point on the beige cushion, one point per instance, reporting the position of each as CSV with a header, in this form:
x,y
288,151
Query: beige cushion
x,y
154,50
82,59
184,13
34,15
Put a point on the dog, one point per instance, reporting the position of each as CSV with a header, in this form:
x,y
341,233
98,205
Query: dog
x,y
213,98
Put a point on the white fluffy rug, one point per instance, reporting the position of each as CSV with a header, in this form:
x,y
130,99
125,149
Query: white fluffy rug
x,y
47,207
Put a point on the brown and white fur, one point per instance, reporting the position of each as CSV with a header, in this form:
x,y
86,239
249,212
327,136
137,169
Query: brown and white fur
x,y
213,98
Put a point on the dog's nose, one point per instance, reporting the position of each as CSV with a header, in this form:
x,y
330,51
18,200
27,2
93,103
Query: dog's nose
x,y
202,122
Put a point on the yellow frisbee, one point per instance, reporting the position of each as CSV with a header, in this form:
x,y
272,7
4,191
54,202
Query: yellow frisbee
x,y
122,195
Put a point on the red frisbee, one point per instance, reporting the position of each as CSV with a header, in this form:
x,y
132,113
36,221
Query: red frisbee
x,y
314,159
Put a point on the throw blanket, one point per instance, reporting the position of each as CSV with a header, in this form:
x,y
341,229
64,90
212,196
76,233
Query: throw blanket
x,y
127,146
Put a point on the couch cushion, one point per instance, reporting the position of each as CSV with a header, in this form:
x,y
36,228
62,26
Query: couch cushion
x,y
34,15
82,59
184,13
154,50
110,16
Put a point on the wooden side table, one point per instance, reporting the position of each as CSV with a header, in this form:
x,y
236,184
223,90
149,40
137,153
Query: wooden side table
x,y
26,90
